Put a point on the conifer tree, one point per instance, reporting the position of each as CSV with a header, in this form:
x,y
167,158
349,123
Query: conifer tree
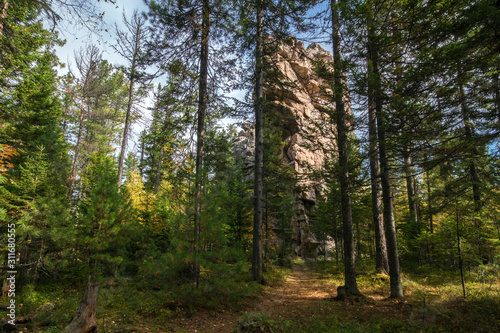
x,y
32,142
187,28
342,123
389,222
257,19
98,106
131,45
381,260
87,64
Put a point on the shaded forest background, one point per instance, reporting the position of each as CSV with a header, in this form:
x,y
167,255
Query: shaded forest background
x,y
177,223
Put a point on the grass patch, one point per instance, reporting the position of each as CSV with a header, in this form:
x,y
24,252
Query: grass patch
x,y
433,302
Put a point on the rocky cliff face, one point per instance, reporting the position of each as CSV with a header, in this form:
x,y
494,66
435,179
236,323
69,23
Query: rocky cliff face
x,y
300,109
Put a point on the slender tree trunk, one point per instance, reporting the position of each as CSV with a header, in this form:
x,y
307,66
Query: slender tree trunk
x,y
126,128
381,261
142,153
158,171
77,153
460,257
359,249
202,110
469,136
429,201
342,132
3,15
259,149
239,222
336,233
411,190
390,224
388,210
266,236
160,156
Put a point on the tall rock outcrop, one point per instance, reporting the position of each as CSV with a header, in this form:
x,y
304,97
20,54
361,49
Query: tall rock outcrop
x,y
300,110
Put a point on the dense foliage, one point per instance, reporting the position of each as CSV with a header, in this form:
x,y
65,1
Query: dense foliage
x,y
171,223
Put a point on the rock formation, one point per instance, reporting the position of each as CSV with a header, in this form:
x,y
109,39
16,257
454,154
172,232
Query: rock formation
x,y
300,110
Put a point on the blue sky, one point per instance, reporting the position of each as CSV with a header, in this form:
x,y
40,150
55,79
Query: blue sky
x,y
104,39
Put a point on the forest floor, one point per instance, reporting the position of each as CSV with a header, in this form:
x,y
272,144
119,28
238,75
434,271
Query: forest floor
x,y
304,303
300,299
295,297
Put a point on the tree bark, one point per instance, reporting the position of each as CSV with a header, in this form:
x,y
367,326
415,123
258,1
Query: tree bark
x,y
84,320
259,150
381,260
388,209
202,110
135,43
342,132
126,127
87,63
460,258
389,222
469,136
158,171
141,163
77,153
336,233
411,190
162,150
429,202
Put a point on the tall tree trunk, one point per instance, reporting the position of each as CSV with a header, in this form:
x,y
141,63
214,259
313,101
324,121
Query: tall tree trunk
x,y
77,153
141,163
126,127
469,136
160,156
411,190
381,260
429,201
202,110
129,45
460,258
259,149
359,249
158,171
266,235
342,131
336,233
390,224
388,209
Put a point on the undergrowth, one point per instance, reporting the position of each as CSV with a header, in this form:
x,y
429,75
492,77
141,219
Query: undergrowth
x,y
131,303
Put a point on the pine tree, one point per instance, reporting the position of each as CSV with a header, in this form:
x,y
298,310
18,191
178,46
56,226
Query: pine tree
x,y
104,214
32,140
344,176
131,45
98,106
258,18
190,26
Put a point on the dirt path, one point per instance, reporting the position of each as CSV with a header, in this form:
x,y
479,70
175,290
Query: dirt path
x,y
297,296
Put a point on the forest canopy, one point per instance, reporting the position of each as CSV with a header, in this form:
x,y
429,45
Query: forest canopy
x,y
137,172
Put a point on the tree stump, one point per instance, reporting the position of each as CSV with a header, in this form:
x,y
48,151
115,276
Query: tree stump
x,y
84,320
341,294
